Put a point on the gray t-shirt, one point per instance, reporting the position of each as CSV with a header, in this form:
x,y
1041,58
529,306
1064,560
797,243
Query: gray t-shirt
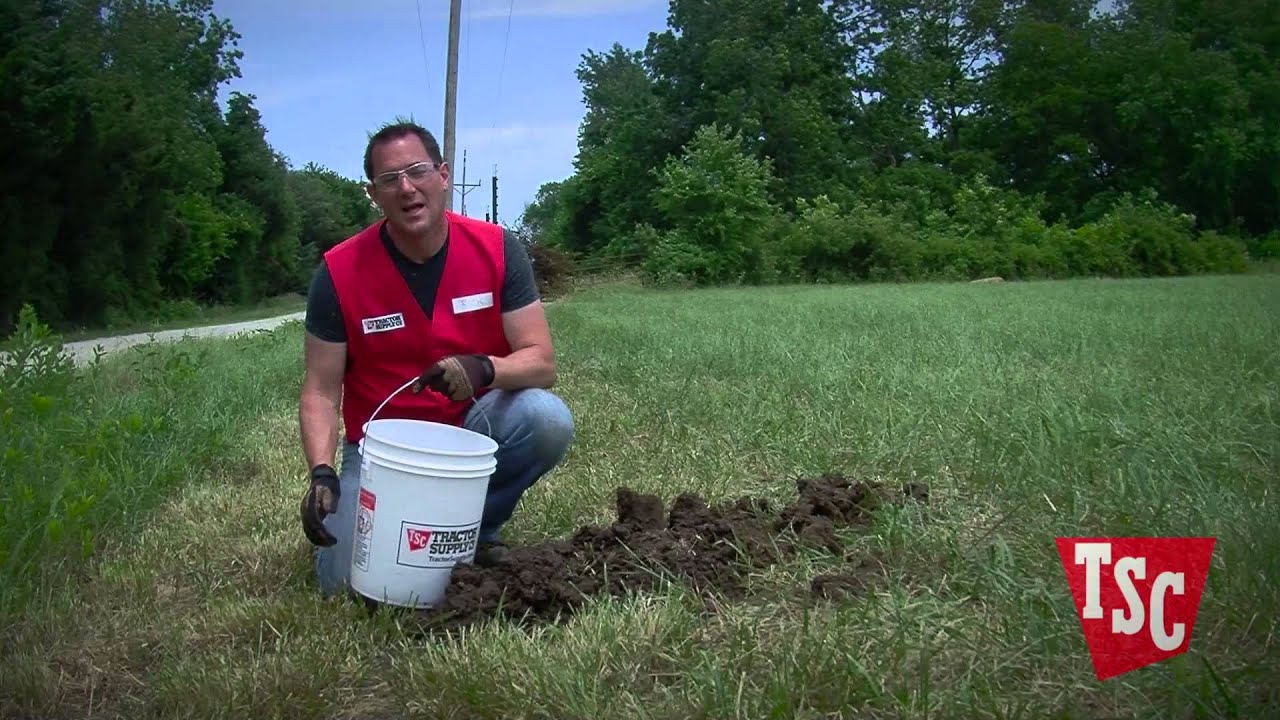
x,y
324,316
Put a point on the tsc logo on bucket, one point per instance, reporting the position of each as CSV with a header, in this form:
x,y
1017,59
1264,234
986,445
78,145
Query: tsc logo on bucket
x,y
436,545
417,539
1136,598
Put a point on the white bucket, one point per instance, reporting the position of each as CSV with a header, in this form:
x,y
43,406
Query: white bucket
x,y
421,498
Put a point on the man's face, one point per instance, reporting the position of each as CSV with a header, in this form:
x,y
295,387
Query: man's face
x,y
413,202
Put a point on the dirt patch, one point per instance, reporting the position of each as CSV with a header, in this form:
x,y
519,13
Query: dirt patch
x,y
860,579
709,547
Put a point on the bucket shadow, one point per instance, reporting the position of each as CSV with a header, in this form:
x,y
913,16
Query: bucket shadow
x,y
415,622
444,622
374,608
411,624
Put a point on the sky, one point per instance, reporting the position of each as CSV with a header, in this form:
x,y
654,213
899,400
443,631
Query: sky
x,y
326,73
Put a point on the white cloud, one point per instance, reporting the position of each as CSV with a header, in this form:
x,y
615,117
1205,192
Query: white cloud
x,y
498,9
280,91
526,157
507,135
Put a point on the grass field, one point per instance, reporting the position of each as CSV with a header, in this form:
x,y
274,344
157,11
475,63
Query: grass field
x,y
1089,407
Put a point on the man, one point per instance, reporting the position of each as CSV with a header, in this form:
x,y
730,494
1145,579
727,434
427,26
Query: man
x,y
430,294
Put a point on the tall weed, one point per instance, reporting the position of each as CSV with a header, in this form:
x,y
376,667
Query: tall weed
x,y
90,451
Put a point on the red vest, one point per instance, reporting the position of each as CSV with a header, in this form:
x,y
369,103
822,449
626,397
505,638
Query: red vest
x,y
390,340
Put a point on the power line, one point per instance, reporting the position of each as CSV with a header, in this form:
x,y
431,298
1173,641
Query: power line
x,y
468,34
502,68
422,40
493,125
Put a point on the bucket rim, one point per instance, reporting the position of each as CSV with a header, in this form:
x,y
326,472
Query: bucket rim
x,y
394,463
490,443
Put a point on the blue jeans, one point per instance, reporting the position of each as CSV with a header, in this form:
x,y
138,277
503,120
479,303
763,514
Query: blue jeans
x,y
533,429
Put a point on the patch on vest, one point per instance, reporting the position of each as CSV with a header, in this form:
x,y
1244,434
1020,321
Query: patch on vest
x,y
472,302
383,323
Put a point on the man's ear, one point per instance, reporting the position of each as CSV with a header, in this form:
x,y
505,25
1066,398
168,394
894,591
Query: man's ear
x,y
444,175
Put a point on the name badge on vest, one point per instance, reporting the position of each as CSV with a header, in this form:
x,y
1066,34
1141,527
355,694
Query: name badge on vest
x,y
383,323
471,303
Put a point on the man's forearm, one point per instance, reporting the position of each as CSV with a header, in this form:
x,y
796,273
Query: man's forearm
x,y
530,367
318,417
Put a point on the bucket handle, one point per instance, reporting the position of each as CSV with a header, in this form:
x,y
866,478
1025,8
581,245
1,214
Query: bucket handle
x,y
474,401
394,393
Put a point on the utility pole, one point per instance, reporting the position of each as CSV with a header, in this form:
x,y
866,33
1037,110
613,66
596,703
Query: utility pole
x,y
451,91
463,186
495,194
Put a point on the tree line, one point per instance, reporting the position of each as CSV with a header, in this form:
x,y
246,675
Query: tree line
x,y
128,191
785,140
750,140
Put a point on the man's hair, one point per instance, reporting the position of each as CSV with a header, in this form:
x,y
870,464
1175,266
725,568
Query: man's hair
x,y
396,129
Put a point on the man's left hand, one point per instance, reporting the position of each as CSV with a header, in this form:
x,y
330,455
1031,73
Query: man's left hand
x,y
459,377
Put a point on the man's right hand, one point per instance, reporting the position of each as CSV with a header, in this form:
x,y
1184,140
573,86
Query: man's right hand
x,y
321,500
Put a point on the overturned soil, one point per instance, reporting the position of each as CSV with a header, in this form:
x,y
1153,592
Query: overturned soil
x,y
709,547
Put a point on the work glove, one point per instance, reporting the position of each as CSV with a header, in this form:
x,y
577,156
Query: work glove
x,y
458,377
321,500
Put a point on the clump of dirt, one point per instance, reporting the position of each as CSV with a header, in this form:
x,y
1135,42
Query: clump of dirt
x,y
854,582
710,547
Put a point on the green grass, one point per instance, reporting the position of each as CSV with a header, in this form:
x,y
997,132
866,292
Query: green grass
x,y
1135,407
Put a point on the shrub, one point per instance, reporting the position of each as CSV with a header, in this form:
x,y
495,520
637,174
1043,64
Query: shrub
x,y
822,244
1265,247
631,248
987,231
721,229
777,263
677,260
553,268
48,489
900,257
714,202
1143,236
1040,252
1221,253
913,190
992,215
89,452
827,243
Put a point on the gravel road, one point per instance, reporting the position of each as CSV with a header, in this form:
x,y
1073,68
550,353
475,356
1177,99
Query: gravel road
x,y
82,351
